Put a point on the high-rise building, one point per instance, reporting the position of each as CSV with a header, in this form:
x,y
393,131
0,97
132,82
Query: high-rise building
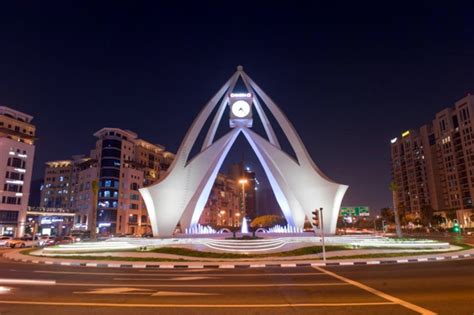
x,y
17,149
120,164
56,190
239,171
434,166
409,172
223,206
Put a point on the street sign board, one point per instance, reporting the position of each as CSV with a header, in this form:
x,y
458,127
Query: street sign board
x,y
359,211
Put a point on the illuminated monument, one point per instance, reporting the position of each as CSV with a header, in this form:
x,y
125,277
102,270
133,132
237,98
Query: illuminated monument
x,y
299,185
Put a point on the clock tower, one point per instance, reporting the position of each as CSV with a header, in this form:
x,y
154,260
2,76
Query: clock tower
x,y
240,110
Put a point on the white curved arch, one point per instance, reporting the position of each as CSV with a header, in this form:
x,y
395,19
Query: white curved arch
x,y
299,186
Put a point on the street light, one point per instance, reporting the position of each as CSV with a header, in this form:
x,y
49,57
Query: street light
x,y
375,223
243,181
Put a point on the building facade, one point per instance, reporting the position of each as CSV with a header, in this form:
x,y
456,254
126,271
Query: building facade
x,y
120,164
409,172
17,135
238,172
223,208
56,190
434,165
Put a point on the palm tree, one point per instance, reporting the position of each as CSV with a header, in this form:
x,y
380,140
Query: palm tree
x,y
93,219
394,188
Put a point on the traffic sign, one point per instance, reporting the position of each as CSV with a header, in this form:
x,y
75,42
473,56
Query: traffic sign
x,y
359,211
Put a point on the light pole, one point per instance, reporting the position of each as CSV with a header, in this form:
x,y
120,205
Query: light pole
x,y
375,223
243,181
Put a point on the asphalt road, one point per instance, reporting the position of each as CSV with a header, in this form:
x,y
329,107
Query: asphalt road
x,y
438,287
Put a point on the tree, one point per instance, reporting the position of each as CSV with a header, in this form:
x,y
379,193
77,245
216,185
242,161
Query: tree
x,y
93,218
387,215
451,215
426,215
438,219
394,189
267,221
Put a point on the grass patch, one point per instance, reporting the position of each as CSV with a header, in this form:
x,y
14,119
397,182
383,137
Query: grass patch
x,y
195,253
28,251
115,258
381,255
401,254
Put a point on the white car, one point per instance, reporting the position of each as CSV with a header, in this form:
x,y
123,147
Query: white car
x,y
4,240
23,242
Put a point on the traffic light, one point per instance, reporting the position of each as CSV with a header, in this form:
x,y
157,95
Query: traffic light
x,y
456,228
316,218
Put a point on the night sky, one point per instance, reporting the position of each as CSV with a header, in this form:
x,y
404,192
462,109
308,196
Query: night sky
x,y
349,76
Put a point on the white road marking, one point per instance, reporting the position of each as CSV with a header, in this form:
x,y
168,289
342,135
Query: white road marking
x,y
172,293
27,281
195,305
191,278
166,279
261,285
120,290
381,294
4,290
158,274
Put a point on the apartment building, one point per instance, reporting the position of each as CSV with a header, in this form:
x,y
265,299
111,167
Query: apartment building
x,y
434,165
120,164
409,172
223,207
17,135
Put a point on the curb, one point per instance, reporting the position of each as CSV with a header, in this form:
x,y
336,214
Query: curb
x,y
237,266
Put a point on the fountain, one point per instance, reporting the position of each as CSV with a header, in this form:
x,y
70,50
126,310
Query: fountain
x,y
285,229
200,229
244,228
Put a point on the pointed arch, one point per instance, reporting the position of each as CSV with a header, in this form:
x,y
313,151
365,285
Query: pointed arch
x,y
299,186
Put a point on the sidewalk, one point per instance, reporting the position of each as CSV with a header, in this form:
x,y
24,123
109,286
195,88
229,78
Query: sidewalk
x,y
238,263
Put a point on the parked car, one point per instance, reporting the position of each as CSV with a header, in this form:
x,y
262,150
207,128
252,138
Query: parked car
x,y
81,235
26,241
4,240
47,240
64,240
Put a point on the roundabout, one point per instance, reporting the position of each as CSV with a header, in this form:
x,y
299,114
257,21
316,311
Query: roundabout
x,y
222,252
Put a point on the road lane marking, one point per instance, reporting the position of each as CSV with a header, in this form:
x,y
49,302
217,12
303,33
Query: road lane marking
x,y
4,290
120,290
196,305
381,294
27,281
157,274
174,293
190,278
167,279
261,285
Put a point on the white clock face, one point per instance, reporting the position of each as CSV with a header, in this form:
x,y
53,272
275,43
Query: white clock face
x,y
240,108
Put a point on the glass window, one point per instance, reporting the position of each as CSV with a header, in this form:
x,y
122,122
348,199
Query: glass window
x,y
109,172
111,143
111,153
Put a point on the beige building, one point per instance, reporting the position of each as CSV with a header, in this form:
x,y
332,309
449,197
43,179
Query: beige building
x,y
223,207
17,150
56,189
409,171
434,166
120,163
